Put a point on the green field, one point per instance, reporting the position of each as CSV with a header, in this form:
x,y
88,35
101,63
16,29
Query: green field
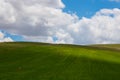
x,y
40,61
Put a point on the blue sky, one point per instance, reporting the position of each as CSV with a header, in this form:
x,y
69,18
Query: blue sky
x,y
54,22
14,37
88,8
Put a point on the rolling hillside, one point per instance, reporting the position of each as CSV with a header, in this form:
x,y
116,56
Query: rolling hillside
x,y
40,61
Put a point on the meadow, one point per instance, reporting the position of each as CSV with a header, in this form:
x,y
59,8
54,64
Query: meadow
x,y
42,61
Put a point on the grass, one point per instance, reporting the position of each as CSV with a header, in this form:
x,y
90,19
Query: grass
x,y
39,61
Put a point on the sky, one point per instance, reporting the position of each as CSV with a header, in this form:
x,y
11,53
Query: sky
x,y
88,8
60,21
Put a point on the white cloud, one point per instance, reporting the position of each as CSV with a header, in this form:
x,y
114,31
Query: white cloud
x,y
45,3
4,39
1,35
6,12
35,18
103,27
42,20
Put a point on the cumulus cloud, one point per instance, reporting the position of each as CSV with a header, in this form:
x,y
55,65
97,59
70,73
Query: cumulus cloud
x,y
4,39
45,21
103,27
35,18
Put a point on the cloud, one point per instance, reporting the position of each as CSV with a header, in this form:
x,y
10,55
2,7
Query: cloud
x,y
35,19
103,27
45,3
4,39
45,21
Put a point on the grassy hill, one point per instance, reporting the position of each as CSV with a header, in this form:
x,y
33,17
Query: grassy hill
x,y
40,61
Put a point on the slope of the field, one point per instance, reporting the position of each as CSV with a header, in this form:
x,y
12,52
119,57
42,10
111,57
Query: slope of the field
x,y
38,61
108,46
